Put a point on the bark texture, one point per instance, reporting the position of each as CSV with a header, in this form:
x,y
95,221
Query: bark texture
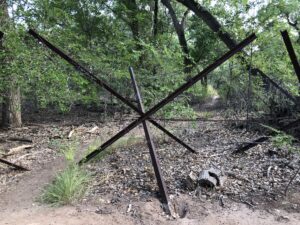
x,y
11,105
179,28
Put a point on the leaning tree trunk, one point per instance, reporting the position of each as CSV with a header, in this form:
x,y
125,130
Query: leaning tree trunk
x,y
230,42
179,28
11,106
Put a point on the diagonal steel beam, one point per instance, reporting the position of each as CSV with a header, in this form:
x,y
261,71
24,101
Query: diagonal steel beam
x,y
291,51
95,79
172,96
154,159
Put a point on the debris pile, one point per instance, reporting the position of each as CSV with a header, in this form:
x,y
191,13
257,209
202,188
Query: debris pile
x,y
254,177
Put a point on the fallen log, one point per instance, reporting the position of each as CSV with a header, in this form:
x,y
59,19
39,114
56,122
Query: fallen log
x,y
13,165
18,149
245,147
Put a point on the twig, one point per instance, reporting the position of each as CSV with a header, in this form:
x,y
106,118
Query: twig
x,y
293,178
13,165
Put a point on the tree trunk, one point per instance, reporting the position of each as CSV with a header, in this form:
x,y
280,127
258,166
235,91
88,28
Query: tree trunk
x,y
210,20
11,106
132,20
132,11
230,42
155,19
155,30
179,28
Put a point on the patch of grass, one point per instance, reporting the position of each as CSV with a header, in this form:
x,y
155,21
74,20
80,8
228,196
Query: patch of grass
x,y
281,139
203,93
68,185
206,114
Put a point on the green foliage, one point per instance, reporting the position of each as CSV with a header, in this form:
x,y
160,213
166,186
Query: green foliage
x,y
281,139
108,36
178,110
68,185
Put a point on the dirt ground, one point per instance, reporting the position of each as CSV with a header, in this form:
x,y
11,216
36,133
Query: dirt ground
x,y
19,191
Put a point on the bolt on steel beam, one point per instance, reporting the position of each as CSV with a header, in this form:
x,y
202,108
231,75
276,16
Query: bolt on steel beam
x,y
172,96
95,79
154,159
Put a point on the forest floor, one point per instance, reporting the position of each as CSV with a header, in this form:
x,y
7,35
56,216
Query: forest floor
x,y
123,188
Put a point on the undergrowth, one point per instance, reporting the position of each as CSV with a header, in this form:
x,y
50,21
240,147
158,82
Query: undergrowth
x,y
68,185
282,140
123,142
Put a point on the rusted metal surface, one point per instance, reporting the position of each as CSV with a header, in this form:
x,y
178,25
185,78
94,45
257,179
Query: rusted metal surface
x,y
291,51
95,79
154,159
172,96
13,165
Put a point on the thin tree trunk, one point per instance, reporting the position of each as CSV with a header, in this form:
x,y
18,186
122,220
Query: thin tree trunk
x,y
155,30
179,28
132,11
210,20
155,19
11,106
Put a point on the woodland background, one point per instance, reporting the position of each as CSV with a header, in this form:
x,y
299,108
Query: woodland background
x,y
164,41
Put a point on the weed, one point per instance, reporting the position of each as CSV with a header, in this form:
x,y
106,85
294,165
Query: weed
x,y
206,114
70,184
281,139
67,187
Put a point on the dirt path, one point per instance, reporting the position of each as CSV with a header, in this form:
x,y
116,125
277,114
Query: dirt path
x,y
25,192
148,213
18,205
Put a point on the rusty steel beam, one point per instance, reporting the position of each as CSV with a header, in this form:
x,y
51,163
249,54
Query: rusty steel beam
x,y
13,165
95,79
291,51
154,159
172,96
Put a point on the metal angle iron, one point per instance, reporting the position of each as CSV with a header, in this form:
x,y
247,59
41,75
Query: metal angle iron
x,y
172,96
95,79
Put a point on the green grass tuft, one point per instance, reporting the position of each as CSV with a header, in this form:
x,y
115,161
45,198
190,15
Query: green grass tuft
x,y
70,184
67,187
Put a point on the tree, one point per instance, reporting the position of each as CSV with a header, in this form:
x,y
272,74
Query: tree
x,y
11,105
179,28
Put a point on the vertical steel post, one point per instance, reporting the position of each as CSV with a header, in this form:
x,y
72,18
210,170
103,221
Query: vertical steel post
x,y
154,158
